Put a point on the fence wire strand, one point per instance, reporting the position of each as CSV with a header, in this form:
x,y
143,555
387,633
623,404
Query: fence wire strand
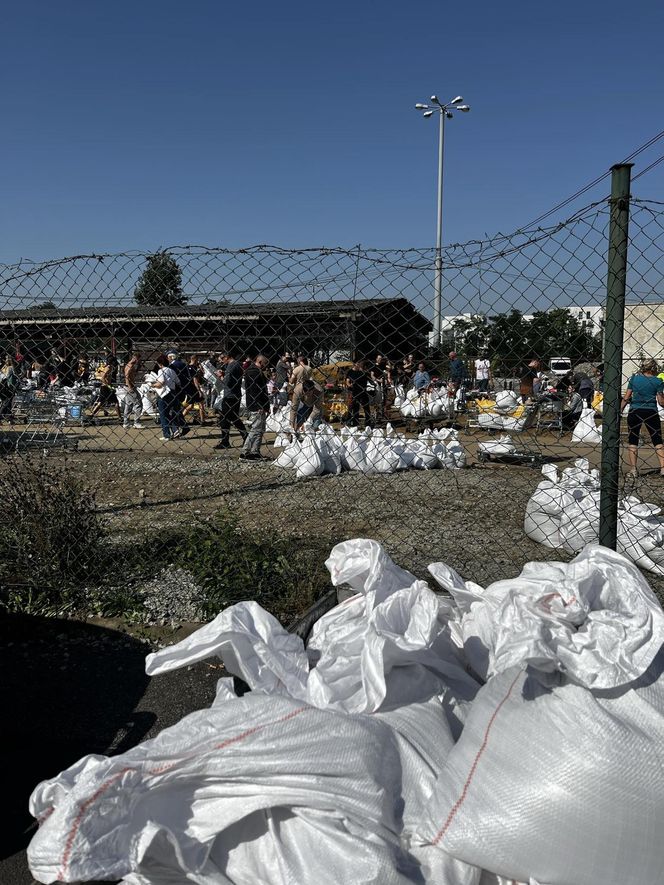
x,y
155,403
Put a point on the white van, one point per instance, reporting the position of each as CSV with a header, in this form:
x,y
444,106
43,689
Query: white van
x,y
560,365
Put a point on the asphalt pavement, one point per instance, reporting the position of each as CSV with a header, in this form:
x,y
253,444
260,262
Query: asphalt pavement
x,y
68,689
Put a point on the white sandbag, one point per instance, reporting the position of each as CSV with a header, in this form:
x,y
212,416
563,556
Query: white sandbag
x,y
579,522
572,745
544,512
289,456
506,400
501,446
419,408
536,761
594,619
389,645
380,457
641,534
272,424
352,454
257,789
445,457
585,430
309,461
416,454
554,495
456,450
330,451
488,419
251,643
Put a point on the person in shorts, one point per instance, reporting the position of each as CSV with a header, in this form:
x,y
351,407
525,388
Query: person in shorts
x,y
645,391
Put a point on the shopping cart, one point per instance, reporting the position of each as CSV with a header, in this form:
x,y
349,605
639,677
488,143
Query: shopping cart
x,y
45,420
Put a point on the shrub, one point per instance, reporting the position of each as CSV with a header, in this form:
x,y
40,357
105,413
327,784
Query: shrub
x,y
231,564
50,534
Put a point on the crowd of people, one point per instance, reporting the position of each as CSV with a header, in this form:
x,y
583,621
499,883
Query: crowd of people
x,y
224,385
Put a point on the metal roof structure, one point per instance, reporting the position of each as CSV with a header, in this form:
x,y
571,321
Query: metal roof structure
x,y
196,312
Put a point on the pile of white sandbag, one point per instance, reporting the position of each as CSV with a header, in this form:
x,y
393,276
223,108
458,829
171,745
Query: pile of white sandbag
x,y
279,423
509,733
499,418
413,404
563,513
323,451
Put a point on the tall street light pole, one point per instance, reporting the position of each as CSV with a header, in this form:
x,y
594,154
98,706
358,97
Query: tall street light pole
x,y
445,111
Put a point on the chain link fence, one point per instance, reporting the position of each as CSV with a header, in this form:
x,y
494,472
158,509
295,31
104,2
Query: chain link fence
x,y
186,428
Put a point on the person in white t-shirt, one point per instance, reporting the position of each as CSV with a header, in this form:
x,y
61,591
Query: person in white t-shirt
x,y
166,385
482,373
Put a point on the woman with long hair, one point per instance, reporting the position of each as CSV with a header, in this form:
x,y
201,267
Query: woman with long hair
x,y
645,391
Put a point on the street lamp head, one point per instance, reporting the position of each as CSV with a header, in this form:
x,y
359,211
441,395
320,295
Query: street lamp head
x,y
449,115
463,107
434,99
421,107
457,100
427,114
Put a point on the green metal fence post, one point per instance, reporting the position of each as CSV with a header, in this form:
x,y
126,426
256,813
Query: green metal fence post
x,y
614,327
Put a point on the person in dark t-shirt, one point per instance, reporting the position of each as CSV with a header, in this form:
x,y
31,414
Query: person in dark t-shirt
x,y
358,397
380,378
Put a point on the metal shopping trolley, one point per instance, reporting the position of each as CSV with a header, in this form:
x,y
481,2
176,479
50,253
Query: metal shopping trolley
x,y
45,420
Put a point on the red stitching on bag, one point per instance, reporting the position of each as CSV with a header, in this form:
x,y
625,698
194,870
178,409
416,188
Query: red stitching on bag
x,y
45,816
81,814
457,805
83,808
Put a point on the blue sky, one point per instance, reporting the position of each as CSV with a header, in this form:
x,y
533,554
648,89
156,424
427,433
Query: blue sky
x,y
144,124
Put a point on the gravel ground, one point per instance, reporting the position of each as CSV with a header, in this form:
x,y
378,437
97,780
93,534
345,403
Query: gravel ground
x,y
471,519
171,597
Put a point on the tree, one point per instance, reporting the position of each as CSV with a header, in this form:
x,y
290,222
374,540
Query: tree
x,y
557,332
45,305
507,340
512,340
160,284
470,336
